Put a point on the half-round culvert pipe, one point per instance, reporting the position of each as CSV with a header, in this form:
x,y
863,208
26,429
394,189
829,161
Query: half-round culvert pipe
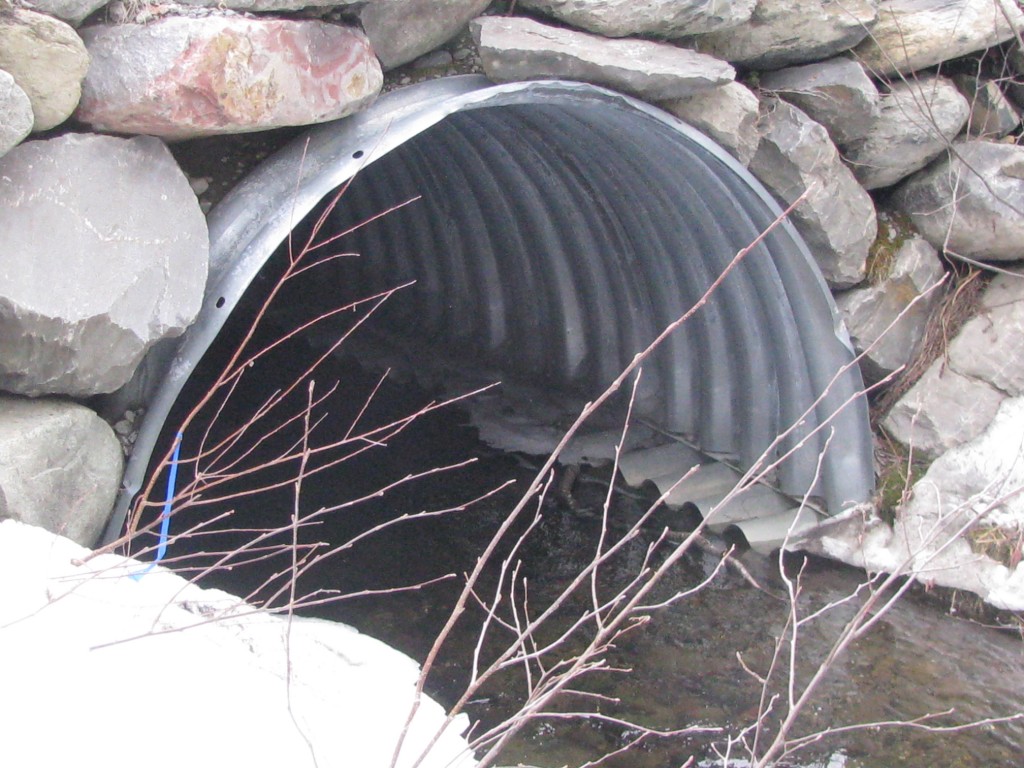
x,y
558,228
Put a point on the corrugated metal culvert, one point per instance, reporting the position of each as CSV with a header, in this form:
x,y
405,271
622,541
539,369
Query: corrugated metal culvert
x,y
559,228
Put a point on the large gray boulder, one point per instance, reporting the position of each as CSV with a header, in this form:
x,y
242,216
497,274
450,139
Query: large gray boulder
x,y
837,219
522,49
728,114
785,32
74,12
942,410
836,93
402,30
15,113
992,114
914,34
48,61
652,18
104,253
918,121
181,77
245,686
971,204
887,319
60,467
958,396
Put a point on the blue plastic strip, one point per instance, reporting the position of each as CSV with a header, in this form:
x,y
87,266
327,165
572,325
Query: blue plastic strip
x,y
165,516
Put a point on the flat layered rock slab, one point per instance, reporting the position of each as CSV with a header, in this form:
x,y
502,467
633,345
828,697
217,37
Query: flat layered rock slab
x,y
181,77
836,93
653,18
914,34
513,49
918,120
971,203
786,32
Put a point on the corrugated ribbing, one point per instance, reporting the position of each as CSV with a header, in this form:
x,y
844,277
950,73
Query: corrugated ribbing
x,y
559,228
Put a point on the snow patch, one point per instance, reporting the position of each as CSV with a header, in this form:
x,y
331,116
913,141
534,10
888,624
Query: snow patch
x,y
98,666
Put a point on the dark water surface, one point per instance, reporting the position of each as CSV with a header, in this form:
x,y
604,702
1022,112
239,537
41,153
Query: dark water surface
x,y
685,666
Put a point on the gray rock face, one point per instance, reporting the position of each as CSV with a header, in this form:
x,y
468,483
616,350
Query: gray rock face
x,y
401,30
105,252
47,60
181,77
838,218
992,115
15,113
942,410
60,467
991,345
263,6
913,34
654,18
521,49
785,32
918,120
887,321
958,396
972,204
728,114
836,93
71,11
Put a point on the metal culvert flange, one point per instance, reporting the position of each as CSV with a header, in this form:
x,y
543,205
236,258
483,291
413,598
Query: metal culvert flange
x,y
559,228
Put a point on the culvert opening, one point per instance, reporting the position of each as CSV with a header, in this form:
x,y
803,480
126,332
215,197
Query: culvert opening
x,y
555,230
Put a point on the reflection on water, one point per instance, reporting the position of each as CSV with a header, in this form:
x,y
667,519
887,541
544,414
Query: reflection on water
x,y
685,664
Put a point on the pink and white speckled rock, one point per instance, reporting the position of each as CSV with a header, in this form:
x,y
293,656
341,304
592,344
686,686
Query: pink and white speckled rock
x,y
182,77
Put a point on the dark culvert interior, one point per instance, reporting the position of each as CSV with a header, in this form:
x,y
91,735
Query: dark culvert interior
x,y
555,229
538,235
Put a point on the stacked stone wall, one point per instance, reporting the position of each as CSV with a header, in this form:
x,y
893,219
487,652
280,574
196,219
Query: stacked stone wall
x,y
900,120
